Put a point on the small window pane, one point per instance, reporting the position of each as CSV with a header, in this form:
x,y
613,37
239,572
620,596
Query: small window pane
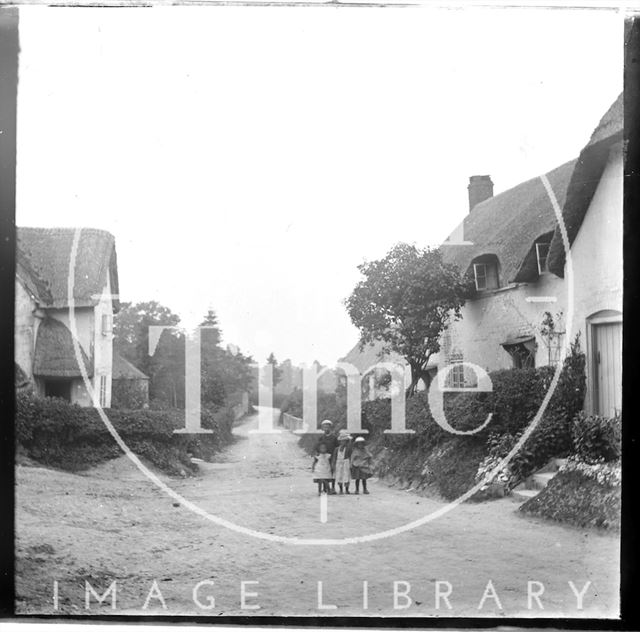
x,y
542,250
480,271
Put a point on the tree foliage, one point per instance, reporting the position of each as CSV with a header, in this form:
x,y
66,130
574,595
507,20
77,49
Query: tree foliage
x,y
406,300
275,367
224,372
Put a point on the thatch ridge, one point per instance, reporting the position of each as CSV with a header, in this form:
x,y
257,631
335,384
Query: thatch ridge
x,y
584,181
48,252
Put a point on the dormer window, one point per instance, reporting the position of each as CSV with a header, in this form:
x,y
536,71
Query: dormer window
x,y
542,250
485,272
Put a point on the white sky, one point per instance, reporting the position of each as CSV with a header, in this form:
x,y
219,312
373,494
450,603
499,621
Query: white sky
x,y
247,159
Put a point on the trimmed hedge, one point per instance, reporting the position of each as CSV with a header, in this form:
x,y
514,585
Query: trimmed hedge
x,y
71,437
449,463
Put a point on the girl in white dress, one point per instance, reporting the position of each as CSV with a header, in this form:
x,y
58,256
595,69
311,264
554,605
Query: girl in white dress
x,y
322,471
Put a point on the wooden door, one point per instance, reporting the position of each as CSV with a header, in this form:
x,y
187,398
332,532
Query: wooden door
x,y
607,339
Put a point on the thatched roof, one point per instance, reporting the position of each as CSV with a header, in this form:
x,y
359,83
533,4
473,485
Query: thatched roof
x,y
369,356
20,377
54,354
44,255
584,181
124,370
30,279
507,225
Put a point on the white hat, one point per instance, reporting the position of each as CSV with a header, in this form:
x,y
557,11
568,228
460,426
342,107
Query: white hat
x,y
358,439
343,435
326,421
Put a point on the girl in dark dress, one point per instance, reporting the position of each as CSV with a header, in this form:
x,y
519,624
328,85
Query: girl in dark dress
x,y
361,465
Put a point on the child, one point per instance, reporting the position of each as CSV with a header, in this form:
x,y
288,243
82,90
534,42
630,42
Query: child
x,y
360,464
322,469
341,462
331,442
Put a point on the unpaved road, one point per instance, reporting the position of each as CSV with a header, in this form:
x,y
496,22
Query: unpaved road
x,y
112,524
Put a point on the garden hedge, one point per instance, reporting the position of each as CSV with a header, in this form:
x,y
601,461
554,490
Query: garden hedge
x,y
59,434
448,463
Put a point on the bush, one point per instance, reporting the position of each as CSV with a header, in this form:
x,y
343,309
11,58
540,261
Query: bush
x,y
129,394
578,498
71,437
596,439
516,398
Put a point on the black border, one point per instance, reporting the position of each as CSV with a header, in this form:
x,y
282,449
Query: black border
x,y
9,48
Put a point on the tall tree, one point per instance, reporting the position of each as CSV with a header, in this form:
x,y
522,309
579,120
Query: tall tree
x,y
406,300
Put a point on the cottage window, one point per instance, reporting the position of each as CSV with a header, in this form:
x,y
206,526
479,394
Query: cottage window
x,y
523,354
106,324
457,375
486,275
542,250
103,390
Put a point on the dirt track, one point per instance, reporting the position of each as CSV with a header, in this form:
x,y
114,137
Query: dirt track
x,y
113,524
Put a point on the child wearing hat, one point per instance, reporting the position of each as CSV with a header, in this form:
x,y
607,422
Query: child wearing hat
x,y
329,440
341,462
361,468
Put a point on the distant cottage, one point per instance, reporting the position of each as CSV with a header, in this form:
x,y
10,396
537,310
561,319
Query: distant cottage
x,y
511,245
45,354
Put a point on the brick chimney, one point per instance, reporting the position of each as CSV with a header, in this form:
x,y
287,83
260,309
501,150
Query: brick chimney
x,y
480,189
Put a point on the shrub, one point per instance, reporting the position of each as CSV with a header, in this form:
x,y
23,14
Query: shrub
x,y
454,465
578,498
129,394
596,439
516,398
70,437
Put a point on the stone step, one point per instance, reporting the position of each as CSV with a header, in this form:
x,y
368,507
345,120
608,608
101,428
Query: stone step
x,y
524,494
540,480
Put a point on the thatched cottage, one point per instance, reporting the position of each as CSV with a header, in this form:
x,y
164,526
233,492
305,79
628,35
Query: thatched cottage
x,y
44,349
511,246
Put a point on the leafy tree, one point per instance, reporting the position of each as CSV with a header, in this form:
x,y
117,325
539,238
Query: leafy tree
x,y
131,330
276,369
406,300
165,367
225,372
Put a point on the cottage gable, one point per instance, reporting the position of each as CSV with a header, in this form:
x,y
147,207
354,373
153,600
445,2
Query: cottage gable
x,y
44,256
44,344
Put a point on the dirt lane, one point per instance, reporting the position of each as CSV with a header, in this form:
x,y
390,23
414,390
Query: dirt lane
x,y
112,524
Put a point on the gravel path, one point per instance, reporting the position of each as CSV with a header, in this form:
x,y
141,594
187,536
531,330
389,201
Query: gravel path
x,y
111,524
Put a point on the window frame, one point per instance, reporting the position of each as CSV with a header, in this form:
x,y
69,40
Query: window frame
x,y
457,375
486,273
521,354
103,390
542,269
476,267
